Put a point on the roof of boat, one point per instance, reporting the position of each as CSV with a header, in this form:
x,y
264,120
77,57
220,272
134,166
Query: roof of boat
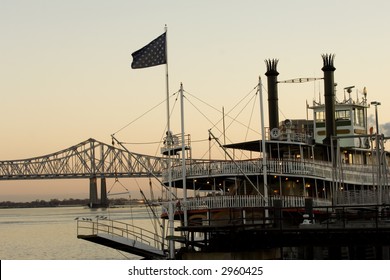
x,y
255,145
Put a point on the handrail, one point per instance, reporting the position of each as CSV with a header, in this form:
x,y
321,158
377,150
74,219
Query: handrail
x,y
116,228
248,201
361,174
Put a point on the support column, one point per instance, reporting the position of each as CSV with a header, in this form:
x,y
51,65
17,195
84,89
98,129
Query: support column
x,y
309,208
103,192
278,214
93,195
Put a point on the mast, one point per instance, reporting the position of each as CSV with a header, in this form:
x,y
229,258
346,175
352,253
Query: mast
x,y
183,150
169,136
264,163
167,77
168,115
224,130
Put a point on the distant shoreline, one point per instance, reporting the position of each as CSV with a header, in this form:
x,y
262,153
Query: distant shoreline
x,y
27,206
66,203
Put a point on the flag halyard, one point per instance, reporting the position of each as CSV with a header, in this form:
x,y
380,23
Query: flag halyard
x,y
152,54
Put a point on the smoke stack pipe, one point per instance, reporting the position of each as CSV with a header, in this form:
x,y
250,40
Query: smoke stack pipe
x,y
329,93
273,107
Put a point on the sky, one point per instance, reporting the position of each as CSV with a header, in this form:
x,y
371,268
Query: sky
x,y
65,72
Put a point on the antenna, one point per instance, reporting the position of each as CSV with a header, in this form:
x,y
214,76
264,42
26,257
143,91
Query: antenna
x,y
349,90
365,94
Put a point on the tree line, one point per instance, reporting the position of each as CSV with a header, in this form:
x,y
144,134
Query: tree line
x,y
65,202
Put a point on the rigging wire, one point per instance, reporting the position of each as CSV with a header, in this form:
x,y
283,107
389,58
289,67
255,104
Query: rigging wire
x,y
136,181
233,120
141,143
127,191
142,115
157,142
201,112
115,182
163,132
153,142
147,202
207,120
253,98
166,125
213,124
201,140
207,104
250,120
227,114
131,211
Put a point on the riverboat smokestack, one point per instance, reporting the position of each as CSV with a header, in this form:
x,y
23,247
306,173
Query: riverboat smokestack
x,y
273,107
329,93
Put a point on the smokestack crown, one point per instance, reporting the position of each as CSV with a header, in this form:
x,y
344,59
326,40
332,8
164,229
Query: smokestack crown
x,y
328,62
271,67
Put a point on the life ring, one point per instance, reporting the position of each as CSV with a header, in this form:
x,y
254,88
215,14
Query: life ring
x,y
275,133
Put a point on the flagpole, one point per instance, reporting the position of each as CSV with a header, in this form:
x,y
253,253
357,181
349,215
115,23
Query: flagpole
x,y
169,141
171,210
167,77
168,114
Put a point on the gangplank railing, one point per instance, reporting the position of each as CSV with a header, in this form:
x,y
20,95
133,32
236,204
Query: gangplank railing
x,y
120,229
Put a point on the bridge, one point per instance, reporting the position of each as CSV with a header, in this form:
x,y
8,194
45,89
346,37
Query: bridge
x,y
89,159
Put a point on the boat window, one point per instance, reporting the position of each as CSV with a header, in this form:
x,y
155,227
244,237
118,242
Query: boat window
x,y
320,116
358,116
343,115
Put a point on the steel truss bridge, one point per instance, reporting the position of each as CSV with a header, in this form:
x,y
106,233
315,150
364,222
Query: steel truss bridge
x,y
89,159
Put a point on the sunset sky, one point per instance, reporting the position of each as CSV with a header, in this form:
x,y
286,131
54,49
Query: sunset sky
x,y
65,72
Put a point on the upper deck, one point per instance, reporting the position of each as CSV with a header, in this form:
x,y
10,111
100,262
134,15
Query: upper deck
x,y
351,173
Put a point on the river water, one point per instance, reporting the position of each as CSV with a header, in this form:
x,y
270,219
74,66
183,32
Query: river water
x,y
51,233
45,234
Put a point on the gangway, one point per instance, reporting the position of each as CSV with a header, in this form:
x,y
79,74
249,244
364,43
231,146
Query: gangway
x,y
122,236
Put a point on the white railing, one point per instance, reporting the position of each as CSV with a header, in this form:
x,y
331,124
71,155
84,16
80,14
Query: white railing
x,y
249,201
362,197
115,228
348,173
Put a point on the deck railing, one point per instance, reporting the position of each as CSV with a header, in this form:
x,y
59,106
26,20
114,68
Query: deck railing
x,y
250,201
362,197
348,173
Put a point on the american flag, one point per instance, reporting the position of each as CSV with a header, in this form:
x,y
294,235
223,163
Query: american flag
x,y
152,54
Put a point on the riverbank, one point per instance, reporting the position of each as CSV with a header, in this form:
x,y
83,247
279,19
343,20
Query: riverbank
x,y
67,203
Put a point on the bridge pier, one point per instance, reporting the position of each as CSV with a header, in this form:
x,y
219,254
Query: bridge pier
x,y
93,195
103,192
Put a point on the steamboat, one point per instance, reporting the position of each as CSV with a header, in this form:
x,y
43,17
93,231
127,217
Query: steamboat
x,y
313,189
